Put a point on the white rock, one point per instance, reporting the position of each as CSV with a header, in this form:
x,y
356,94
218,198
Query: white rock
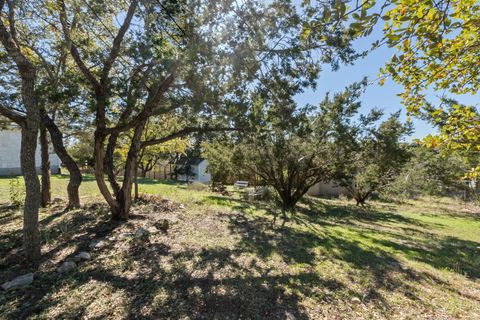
x,y
356,300
17,282
289,316
97,244
152,229
66,267
82,256
124,236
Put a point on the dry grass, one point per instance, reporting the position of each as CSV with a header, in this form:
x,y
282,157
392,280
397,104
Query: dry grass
x,y
220,258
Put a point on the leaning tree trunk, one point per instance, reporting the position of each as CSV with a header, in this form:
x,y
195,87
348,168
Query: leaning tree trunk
x,y
99,154
45,169
124,196
72,167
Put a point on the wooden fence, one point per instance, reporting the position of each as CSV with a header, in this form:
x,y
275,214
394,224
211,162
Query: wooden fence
x,y
162,172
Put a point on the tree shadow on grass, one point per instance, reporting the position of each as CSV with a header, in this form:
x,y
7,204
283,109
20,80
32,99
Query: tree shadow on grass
x,y
169,182
199,284
266,273
85,177
412,238
382,267
12,239
78,228
318,210
8,213
300,247
170,283
409,236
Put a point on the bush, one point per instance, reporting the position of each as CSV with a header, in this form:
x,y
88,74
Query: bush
x,y
197,186
264,194
17,192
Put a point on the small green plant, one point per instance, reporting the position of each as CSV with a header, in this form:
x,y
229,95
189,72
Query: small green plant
x,y
17,193
197,186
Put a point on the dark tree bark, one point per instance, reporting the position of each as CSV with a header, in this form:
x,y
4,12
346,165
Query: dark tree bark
x,y
45,169
109,164
30,127
31,243
136,184
72,167
124,196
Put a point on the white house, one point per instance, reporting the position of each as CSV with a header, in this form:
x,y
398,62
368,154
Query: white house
x,y
10,142
193,170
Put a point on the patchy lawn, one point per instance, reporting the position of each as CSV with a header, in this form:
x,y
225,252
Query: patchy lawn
x,y
209,256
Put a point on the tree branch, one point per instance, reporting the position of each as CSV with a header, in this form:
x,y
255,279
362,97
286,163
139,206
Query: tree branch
x,y
117,43
153,100
25,68
184,132
74,50
13,115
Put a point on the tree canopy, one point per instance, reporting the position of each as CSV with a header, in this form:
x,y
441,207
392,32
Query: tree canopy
x,y
437,44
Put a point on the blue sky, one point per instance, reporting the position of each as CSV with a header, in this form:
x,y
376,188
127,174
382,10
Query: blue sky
x,y
384,97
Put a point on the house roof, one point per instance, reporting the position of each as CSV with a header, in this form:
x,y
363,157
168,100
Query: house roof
x,y
195,161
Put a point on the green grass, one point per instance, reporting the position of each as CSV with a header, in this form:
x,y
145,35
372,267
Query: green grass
x,y
222,258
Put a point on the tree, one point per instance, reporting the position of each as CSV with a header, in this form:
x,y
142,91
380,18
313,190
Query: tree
x,y
56,86
45,168
221,163
29,123
149,156
429,173
294,151
438,44
175,64
370,157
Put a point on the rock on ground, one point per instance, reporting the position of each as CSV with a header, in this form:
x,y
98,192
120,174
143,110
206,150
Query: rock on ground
x,y
124,236
98,244
141,233
289,316
66,267
82,256
17,282
152,229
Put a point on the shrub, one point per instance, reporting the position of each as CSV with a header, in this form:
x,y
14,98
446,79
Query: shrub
x,y
17,192
197,186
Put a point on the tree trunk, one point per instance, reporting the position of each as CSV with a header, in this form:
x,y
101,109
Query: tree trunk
x,y
99,171
26,69
46,185
109,165
136,183
124,196
31,242
75,175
